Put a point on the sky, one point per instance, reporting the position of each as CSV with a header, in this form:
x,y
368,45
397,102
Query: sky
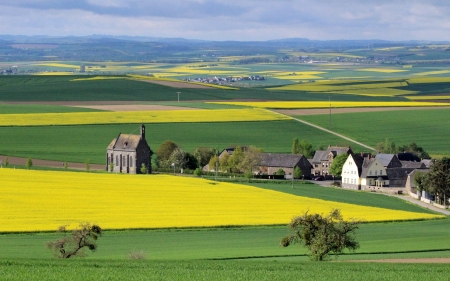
x,y
240,20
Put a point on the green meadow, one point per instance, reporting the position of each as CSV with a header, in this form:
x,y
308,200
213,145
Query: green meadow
x,y
78,143
429,128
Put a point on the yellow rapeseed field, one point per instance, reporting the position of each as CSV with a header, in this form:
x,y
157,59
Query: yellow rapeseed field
x,y
44,200
154,116
326,104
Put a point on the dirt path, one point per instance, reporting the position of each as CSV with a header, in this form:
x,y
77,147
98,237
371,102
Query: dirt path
x,y
333,133
19,161
421,204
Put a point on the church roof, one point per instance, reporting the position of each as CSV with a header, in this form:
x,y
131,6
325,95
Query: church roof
x,y
125,142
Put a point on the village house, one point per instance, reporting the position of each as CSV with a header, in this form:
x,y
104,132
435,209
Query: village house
x,y
323,159
127,153
270,163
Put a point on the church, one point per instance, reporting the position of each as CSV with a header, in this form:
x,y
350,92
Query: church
x,y
128,153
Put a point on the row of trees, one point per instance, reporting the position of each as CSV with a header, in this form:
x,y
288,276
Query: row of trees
x,y
241,161
389,147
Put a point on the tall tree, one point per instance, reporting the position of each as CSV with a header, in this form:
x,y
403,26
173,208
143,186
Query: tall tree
x,y
437,181
178,158
306,149
338,163
164,151
252,156
322,235
295,146
235,159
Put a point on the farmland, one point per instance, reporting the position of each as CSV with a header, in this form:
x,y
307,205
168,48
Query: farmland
x,y
191,228
194,202
74,143
429,128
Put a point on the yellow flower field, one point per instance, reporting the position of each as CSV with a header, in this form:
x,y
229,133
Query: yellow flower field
x,y
334,104
155,116
382,70
43,200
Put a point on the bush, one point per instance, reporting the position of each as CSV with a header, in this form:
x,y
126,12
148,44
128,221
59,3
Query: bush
x,y
198,172
280,172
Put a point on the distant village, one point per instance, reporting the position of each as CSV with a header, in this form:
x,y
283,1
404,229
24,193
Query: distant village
x,y
225,80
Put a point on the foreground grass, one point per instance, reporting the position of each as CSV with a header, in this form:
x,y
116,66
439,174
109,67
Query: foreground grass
x,y
214,270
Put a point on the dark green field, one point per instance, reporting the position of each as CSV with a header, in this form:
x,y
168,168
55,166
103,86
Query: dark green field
x,y
429,128
78,143
60,88
342,195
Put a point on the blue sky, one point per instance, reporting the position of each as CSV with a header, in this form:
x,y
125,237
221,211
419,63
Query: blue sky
x,y
231,19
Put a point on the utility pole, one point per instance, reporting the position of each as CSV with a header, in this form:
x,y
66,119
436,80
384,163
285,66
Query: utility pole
x,y
178,96
329,99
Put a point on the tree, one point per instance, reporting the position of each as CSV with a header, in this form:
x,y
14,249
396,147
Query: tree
x,y
437,181
6,161
420,179
338,163
73,245
66,165
87,165
212,163
178,157
296,146
298,174
164,151
252,156
223,162
235,159
29,163
143,169
386,147
303,147
203,154
322,236
280,172
198,172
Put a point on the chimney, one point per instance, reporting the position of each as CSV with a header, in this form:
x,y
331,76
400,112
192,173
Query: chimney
x,y
143,131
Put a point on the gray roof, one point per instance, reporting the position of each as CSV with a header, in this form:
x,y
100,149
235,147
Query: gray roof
x,y
125,142
427,162
385,159
398,173
411,164
322,155
365,165
280,160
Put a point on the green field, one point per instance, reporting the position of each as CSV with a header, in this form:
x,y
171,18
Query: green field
x,y
40,108
429,128
216,270
78,143
342,195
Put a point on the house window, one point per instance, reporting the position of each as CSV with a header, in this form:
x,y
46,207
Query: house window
x,y
370,173
375,173
124,162
117,160
381,172
131,161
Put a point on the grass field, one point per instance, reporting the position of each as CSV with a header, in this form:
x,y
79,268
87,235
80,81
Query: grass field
x,y
342,195
333,104
75,143
428,128
216,270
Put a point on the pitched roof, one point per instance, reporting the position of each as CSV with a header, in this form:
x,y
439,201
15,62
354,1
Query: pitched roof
x,y
322,155
398,173
358,160
125,142
411,164
280,160
365,166
408,156
427,162
385,159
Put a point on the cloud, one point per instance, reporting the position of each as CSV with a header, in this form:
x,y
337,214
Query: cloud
x,y
231,19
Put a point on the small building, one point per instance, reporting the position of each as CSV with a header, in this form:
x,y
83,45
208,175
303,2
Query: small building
x,y
364,173
270,163
127,153
323,159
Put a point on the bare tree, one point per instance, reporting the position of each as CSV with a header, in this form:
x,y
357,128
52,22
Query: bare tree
x,y
73,245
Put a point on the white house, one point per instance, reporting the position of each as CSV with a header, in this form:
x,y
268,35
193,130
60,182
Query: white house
x,y
363,173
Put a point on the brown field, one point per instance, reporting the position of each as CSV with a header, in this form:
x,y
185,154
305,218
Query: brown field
x,y
175,84
19,161
293,112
